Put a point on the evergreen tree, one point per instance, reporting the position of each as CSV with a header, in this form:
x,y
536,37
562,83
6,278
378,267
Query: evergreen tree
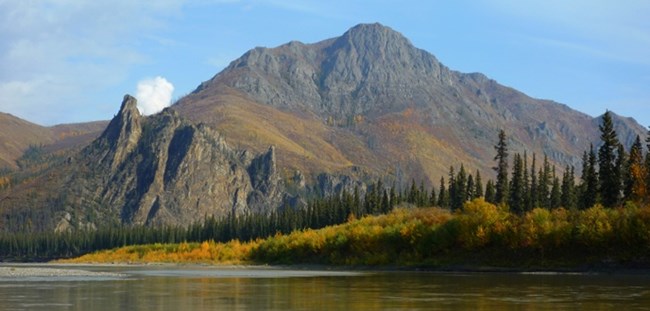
x,y
443,195
423,196
568,188
385,203
490,192
356,202
533,196
501,187
516,200
460,189
451,189
525,185
556,194
412,196
393,196
622,167
478,192
433,200
544,183
470,187
589,194
610,181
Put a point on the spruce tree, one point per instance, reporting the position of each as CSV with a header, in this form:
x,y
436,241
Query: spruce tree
x,y
423,196
544,184
568,188
556,194
433,200
443,195
525,184
532,200
478,192
451,189
622,166
385,203
470,187
460,189
490,192
516,200
501,187
412,195
589,194
610,182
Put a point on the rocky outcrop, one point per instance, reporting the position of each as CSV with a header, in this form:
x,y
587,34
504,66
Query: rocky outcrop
x,y
158,170
122,134
166,170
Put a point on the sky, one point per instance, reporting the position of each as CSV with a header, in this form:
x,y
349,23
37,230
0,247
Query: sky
x,y
64,61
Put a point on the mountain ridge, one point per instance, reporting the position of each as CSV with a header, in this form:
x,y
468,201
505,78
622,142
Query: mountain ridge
x,y
372,80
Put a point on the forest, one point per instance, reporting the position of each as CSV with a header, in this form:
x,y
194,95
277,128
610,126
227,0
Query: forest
x,y
527,213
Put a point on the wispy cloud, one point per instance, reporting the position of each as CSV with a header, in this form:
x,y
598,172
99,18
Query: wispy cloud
x,y
607,29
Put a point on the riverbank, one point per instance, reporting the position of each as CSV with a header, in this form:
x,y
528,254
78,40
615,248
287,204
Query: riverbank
x,y
478,238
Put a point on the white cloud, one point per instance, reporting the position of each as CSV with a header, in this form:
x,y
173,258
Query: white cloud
x,y
154,95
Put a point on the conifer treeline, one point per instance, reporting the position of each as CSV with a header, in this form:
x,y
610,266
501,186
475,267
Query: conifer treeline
x,y
610,176
320,212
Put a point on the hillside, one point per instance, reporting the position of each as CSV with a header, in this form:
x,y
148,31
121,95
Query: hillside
x,y
370,101
17,135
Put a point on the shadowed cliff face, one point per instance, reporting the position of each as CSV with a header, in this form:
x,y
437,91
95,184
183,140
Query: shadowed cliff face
x,y
159,170
371,100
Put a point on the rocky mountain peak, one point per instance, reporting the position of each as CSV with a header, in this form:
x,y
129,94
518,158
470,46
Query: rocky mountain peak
x,y
373,89
374,38
123,132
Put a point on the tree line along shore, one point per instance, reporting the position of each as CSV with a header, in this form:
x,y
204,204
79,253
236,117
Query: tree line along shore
x,y
526,217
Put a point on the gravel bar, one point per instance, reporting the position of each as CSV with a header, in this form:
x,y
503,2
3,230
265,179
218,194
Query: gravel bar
x,y
19,272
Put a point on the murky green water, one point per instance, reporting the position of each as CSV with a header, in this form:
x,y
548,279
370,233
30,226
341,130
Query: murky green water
x,y
209,288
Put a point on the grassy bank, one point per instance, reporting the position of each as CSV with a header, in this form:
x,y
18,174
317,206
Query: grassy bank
x,y
481,234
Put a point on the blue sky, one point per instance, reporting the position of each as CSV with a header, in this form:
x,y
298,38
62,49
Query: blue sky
x,y
71,61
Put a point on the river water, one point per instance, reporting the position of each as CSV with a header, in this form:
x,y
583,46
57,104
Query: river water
x,y
268,288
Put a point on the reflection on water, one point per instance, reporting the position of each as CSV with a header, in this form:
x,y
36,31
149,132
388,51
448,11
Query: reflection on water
x,y
205,288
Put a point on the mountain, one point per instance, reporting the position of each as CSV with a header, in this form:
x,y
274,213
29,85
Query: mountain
x,y
370,101
17,135
281,123
160,170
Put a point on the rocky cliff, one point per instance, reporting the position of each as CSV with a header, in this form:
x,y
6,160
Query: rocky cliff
x,y
158,170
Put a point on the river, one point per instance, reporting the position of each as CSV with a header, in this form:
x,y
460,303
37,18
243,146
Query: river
x,y
269,288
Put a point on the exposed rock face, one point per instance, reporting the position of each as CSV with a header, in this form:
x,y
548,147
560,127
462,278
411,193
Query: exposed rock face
x,y
390,108
160,170
122,133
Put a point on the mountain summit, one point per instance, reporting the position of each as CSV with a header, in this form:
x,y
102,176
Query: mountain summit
x,y
371,101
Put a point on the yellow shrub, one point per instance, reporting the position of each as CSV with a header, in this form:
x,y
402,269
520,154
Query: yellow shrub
x,y
481,223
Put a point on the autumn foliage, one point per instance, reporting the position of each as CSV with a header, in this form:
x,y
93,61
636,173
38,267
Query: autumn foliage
x,y
480,233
